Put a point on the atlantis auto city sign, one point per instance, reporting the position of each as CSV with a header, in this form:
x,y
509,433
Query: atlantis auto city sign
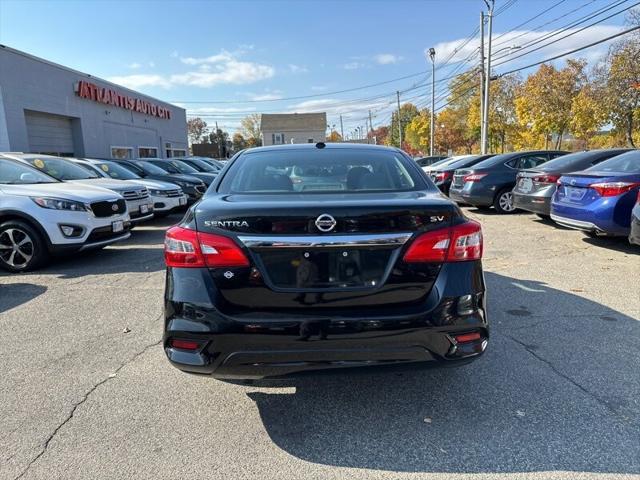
x,y
109,96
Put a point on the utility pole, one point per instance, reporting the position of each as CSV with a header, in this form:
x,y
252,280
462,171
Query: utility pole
x,y
482,146
218,141
399,120
370,125
487,83
341,129
432,55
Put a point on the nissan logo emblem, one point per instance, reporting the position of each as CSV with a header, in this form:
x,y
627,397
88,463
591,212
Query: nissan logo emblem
x,y
325,222
114,207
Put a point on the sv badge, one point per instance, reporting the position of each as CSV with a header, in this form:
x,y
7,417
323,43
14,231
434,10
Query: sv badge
x,y
436,218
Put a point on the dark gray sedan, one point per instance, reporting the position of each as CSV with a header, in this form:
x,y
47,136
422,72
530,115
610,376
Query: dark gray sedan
x,y
490,182
535,187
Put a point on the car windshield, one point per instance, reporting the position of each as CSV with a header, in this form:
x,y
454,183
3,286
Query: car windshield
x,y
61,168
322,171
465,161
182,167
116,171
200,165
150,169
13,173
440,162
626,163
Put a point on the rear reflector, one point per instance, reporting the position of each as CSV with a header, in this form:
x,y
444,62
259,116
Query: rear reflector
x,y
613,189
184,344
187,248
467,337
459,243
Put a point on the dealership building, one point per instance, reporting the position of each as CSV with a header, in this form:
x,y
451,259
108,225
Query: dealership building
x,y
48,108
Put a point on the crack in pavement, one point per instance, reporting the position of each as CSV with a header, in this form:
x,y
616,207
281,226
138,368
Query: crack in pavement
x,y
564,376
84,398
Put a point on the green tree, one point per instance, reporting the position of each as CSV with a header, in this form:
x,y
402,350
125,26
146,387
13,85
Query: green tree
x,y
250,130
544,103
418,132
407,112
196,129
618,87
239,142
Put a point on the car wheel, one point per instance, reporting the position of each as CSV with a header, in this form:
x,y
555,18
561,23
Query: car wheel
x,y
21,247
503,203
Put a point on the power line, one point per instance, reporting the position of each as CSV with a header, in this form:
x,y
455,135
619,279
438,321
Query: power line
x,y
610,37
512,58
531,19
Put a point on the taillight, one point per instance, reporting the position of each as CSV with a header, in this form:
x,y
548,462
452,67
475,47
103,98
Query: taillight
x,y
474,177
546,178
459,243
184,344
612,189
442,176
187,248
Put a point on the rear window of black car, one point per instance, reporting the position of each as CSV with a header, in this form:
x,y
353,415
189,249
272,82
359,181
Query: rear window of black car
x,y
321,171
626,163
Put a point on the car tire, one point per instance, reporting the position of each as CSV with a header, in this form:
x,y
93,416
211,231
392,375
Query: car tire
x,y
503,202
22,248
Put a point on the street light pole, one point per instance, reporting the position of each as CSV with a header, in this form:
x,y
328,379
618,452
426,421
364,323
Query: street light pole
x,y
487,82
482,146
432,55
399,120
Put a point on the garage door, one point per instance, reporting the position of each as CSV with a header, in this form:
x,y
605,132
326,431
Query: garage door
x,y
49,133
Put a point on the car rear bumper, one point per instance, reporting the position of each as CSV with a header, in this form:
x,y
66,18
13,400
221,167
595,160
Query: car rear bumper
x,y
530,203
273,344
461,196
594,218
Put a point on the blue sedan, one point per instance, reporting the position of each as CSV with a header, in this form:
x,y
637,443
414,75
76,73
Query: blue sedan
x,y
599,199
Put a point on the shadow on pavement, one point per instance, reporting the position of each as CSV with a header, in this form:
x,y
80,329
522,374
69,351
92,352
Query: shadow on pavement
x,y
557,390
620,244
15,294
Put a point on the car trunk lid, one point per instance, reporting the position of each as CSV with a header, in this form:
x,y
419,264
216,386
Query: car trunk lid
x,y
316,252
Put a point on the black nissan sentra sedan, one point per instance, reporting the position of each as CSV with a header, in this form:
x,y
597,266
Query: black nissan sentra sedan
x,y
361,262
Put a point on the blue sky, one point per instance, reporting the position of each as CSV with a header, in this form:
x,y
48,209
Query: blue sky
x,y
235,52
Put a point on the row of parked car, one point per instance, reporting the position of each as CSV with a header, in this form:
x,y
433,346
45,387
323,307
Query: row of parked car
x,y
596,191
54,205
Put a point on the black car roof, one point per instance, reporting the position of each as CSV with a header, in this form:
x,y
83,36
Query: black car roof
x,y
327,146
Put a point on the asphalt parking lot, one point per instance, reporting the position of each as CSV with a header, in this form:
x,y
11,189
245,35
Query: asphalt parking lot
x,y
86,392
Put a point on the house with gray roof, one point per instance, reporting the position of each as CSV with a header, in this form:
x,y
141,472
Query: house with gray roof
x,y
283,128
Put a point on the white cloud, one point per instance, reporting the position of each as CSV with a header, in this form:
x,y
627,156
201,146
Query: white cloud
x,y
264,96
353,65
141,80
229,72
522,37
387,58
134,65
223,56
222,68
297,68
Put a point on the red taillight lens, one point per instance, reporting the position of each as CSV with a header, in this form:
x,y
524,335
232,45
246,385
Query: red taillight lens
x,y
474,177
442,176
546,178
188,248
456,244
184,344
612,189
467,337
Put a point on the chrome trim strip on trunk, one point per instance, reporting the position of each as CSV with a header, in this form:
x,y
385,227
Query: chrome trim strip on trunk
x,y
326,241
577,224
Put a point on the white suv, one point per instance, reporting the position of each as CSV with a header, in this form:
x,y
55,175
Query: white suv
x,y
166,197
139,204
40,217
